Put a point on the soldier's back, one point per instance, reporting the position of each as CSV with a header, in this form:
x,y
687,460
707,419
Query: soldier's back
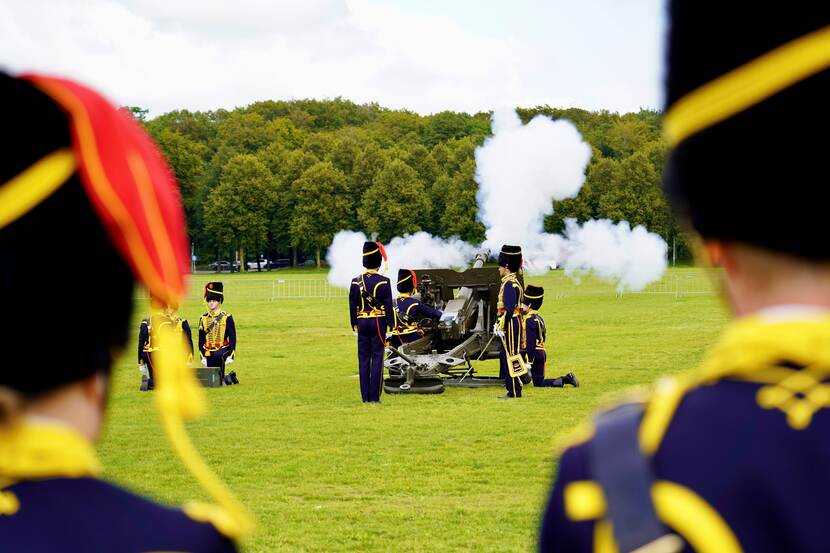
x,y
90,515
739,451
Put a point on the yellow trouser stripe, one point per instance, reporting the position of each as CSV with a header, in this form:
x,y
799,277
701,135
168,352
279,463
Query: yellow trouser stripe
x,y
23,192
747,85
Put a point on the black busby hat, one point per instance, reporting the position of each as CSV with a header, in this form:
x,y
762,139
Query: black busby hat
x,y
373,255
510,257
534,296
407,281
215,291
740,114
66,174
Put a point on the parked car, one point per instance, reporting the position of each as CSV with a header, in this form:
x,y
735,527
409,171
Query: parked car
x,y
222,266
279,263
254,265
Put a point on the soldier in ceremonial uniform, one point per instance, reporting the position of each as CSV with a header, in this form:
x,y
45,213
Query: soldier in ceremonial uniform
x,y
148,341
65,173
509,325
732,457
372,317
217,334
410,310
533,341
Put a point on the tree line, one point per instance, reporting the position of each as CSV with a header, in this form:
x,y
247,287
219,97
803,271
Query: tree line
x,y
281,178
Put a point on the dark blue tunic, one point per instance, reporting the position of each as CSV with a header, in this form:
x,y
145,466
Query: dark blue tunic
x,y
415,310
510,298
90,516
534,351
371,324
740,456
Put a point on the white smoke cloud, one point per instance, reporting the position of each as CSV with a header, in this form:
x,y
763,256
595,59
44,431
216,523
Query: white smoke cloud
x,y
412,251
632,257
521,170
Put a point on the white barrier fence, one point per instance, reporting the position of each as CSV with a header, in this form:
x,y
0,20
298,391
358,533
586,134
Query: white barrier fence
x,y
557,285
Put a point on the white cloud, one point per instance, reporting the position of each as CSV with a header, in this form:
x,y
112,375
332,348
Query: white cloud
x,y
209,54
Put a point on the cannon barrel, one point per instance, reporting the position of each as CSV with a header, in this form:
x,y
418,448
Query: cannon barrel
x,y
481,257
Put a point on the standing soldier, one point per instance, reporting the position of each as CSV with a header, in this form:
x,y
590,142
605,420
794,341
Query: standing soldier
x,y
372,315
66,172
534,336
410,310
217,334
148,340
509,325
734,456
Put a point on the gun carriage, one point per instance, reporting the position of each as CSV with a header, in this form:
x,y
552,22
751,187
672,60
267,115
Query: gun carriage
x,y
444,356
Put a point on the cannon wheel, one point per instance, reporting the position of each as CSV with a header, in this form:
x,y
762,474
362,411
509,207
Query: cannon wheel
x,y
419,386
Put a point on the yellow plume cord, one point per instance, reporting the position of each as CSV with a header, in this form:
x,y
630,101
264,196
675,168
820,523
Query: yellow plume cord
x,y
20,194
179,397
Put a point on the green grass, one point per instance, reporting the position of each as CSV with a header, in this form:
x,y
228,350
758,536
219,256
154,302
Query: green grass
x,y
453,472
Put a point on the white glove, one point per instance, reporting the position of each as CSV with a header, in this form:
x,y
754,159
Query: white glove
x,y
143,368
388,335
497,331
204,362
228,361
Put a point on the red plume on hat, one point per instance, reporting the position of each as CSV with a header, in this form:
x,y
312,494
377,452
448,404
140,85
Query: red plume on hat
x,y
129,185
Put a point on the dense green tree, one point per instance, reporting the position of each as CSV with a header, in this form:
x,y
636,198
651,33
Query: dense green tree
x,y
396,202
461,213
295,164
321,207
389,158
188,161
236,211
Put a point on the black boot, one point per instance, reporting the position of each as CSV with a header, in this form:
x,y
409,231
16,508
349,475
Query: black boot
x,y
145,383
234,380
227,380
571,379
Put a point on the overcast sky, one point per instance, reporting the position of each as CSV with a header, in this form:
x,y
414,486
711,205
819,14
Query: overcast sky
x,y
423,55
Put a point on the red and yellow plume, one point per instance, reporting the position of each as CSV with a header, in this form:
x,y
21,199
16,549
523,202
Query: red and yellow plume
x,y
129,185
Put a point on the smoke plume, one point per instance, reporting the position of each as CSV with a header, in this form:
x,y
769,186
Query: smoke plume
x,y
520,171
632,257
412,251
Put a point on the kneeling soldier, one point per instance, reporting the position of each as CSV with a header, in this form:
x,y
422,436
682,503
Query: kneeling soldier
x,y
410,310
148,341
535,334
217,334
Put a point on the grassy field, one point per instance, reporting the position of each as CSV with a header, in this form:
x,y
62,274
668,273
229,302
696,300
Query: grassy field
x,y
461,471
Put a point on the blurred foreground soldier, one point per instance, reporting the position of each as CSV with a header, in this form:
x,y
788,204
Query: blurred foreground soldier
x,y
372,316
76,169
409,310
509,325
733,457
217,334
162,319
534,335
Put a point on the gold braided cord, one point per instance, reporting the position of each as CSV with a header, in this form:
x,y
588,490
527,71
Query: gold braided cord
x,y
747,85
